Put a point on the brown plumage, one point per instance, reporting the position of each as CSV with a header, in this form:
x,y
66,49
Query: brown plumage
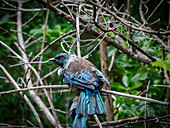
x,y
77,66
86,82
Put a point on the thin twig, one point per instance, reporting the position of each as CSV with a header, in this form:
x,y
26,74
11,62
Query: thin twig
x,y
25,97
112,61
104,91
44,36
34,88
78,31
130,25
155,36
37,99
154,10
86,56
138,57
9,4
31,36
31,18
166,86
54,41
24,10
98,121
37,62
146,102
131,120
135,97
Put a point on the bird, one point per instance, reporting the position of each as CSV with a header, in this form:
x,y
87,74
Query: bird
x,y
86,81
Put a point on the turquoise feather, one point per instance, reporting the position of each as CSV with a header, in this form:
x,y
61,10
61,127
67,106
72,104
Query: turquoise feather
x,y
85,80
89,103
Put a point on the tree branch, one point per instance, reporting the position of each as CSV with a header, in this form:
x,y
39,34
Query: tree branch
x,y
104,91
130,25
126,51
135,97
132,120
25,97
36,98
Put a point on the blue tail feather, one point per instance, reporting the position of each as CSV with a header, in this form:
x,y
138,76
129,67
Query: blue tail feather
x,y
79,122
89,103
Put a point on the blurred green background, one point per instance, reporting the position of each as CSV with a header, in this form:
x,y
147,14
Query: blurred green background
x,y
127,75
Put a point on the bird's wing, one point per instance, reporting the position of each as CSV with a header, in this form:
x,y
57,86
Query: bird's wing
x,y
82,80
100,76
83,74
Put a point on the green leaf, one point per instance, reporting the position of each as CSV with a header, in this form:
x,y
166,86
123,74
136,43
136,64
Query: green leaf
x,y
135,78
4,19
167,63
137,85
125,80
117,86
162,64
159,63
133,92
143,76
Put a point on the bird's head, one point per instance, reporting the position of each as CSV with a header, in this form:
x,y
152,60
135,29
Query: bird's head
x,y
61,59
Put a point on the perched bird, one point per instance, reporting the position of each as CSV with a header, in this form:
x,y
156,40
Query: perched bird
x,y
86,81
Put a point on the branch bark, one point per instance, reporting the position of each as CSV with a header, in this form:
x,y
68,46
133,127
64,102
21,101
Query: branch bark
x,y
132,120
58,12
35,98
130,25
104,91
167,48
25,97
104,69
168,78
54,120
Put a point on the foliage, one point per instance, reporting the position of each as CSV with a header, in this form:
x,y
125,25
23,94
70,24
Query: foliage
x,y
126,75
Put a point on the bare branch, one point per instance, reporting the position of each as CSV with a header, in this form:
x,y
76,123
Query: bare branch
x,y
166,86
58,12
145,22
130,25
25,97
135,97
24,10
78,30
104,91
132,121
44,36
112,61
36,98
68,33
34,88
154,10
31,18
98,121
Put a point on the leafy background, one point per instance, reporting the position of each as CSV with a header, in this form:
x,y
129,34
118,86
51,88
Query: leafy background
x,y
127,75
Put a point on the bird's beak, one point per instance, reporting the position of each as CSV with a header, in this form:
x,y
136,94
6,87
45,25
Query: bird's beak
x,y
52,59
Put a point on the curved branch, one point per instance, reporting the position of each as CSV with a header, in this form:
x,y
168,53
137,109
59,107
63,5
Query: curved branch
x,y
145,22
104,91
24,10
25,97
36,98
131,120
130,25
126,51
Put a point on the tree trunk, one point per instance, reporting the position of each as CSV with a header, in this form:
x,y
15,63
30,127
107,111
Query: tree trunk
x,y
129,28
168,89
104,69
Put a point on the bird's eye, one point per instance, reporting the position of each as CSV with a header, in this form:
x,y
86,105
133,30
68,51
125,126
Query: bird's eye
x,y
61,58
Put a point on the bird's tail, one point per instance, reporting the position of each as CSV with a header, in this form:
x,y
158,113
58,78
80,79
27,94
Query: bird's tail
x,y
89,103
